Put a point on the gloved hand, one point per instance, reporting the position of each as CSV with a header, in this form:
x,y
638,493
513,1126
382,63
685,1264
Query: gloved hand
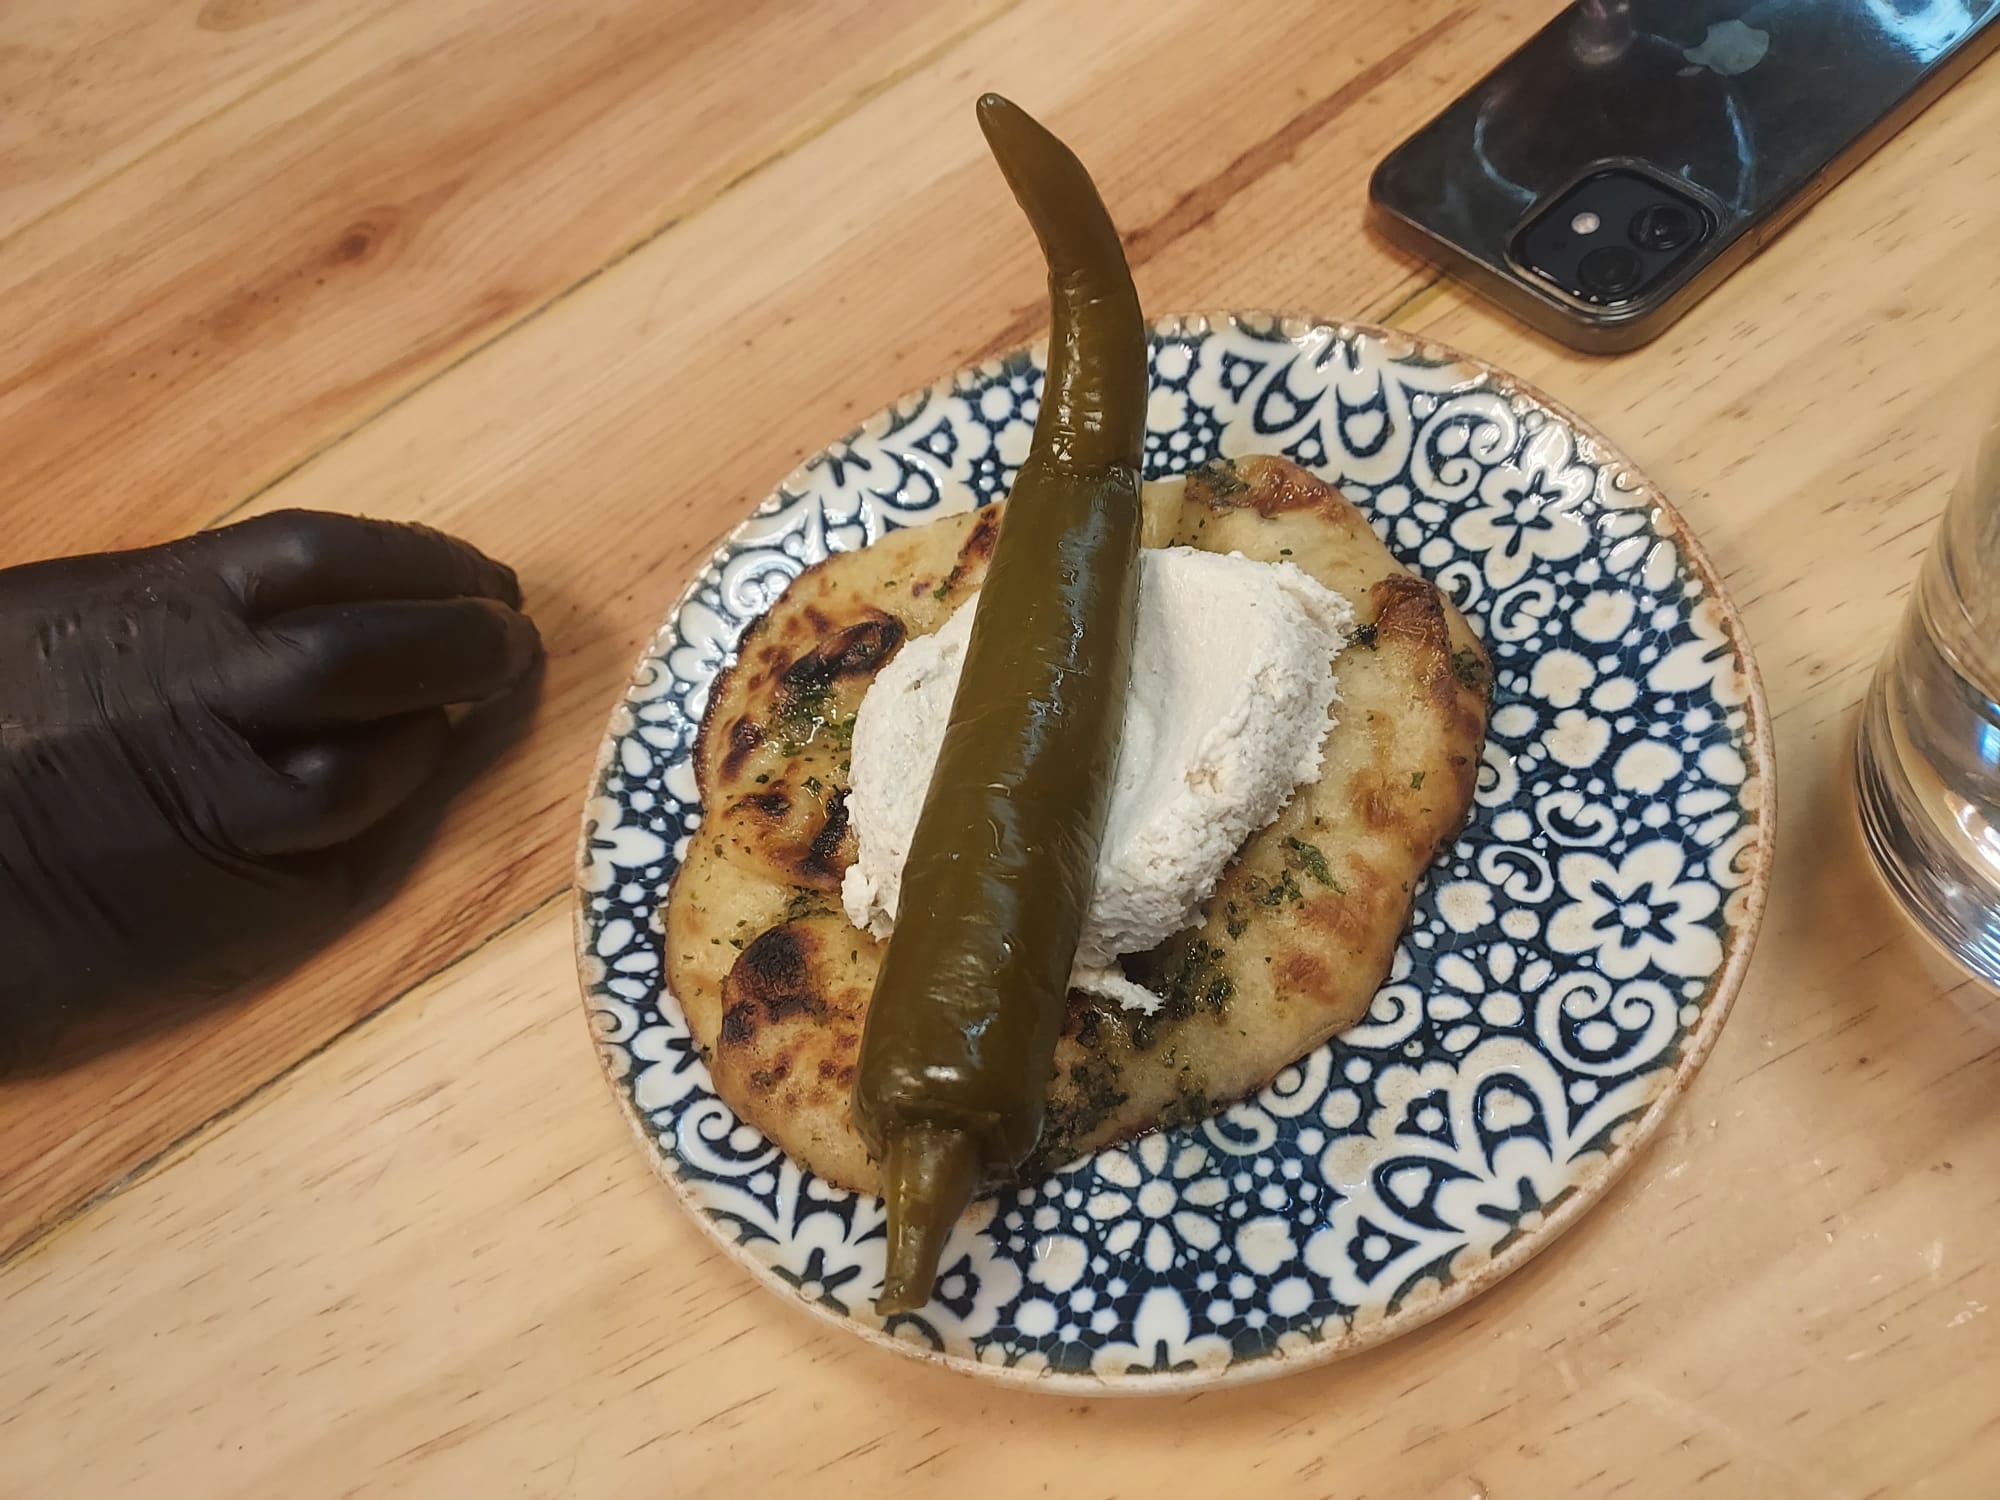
x,y
201,742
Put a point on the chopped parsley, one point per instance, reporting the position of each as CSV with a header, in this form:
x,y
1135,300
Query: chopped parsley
x,y
1073,1113
1220,478
1190,1107
805,902
1273,893
1197,982
1312,861
802,709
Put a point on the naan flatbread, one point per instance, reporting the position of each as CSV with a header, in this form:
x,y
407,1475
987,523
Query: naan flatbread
x,y
1299,934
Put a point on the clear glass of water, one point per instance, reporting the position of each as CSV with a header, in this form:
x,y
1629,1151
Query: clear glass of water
x,y
1927,755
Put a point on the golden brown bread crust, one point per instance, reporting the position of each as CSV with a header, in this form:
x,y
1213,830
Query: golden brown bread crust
x,y
792,1007
771,756
1295,941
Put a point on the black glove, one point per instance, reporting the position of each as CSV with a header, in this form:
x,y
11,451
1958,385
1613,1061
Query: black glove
x,y
202,744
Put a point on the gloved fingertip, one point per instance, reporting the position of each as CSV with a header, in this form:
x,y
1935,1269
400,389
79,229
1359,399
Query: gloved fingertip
x,y
346,783
510,590
525,651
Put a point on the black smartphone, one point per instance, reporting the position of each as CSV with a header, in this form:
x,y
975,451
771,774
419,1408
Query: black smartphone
x,y
1634,152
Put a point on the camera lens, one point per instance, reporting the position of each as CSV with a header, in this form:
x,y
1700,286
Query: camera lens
x,y
1610,272
1661,226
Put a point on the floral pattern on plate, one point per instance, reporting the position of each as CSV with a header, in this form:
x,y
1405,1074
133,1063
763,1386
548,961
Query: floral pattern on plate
x,y
1569,961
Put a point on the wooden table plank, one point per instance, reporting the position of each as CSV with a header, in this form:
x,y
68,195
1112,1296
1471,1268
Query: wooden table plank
x,y
287,268
87,90
605,445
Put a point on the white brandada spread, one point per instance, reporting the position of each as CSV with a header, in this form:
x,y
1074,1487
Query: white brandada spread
x,y
1231,697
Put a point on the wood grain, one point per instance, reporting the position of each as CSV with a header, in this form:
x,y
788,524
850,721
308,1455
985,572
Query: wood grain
x,y
286,268
603,446
430,1260
87,90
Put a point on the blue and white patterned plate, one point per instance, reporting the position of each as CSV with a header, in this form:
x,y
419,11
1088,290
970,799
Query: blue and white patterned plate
x,y
1569,963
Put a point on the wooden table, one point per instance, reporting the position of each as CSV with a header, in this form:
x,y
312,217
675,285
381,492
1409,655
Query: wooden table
x,y
581,282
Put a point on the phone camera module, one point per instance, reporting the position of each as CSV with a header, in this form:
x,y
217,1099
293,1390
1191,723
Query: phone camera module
x,y
1611,272
1662,227
1616,238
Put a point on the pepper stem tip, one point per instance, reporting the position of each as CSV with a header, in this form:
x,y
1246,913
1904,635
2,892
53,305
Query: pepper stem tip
x,y
929,1176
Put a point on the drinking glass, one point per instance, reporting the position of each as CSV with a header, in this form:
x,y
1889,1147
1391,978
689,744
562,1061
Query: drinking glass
x,y
1927,754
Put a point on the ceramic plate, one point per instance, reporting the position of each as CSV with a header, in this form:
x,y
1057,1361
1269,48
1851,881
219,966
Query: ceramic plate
x,y
1569,963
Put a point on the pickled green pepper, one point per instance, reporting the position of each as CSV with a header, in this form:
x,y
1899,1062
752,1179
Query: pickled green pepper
x,y
961,1035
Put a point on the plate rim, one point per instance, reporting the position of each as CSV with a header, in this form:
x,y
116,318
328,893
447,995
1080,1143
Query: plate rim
x,y
1273,1363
